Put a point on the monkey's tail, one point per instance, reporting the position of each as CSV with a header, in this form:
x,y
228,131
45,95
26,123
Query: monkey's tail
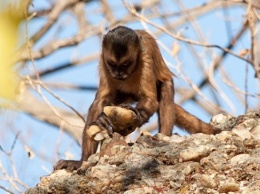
x,y
192,124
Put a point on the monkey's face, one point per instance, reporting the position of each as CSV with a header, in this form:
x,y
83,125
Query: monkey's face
x,y
121,59
120,68
120,52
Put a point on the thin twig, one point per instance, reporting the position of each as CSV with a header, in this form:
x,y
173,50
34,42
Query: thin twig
x,y
239,90
67,86
8,191
246,89
54,110
15,139
9,178
222,56
74,63
61,100
177,37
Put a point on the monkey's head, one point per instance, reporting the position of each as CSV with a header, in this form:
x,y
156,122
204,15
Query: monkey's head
x,y
120,51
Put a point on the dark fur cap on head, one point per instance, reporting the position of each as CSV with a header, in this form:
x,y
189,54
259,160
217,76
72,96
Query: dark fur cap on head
x,y
119,39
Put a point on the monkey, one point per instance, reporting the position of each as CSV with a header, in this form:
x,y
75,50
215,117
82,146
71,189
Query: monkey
x,y
132,70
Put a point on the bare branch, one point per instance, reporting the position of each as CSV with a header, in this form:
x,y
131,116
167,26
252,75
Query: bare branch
x,y
133,11
87,59
69,121
218,60
6,190
54,45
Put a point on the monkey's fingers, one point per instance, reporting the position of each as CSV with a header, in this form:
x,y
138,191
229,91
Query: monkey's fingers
x,y
113,119
104,123
100,129
120,116
123,120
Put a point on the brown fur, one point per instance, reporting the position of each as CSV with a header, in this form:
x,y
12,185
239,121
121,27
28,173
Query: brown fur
x,y
147,81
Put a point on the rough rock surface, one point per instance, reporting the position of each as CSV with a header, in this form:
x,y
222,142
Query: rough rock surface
x,y
228,162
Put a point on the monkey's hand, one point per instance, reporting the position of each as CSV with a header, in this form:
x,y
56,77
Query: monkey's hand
x,y
100,129
124,120
113,119
69,165
141,116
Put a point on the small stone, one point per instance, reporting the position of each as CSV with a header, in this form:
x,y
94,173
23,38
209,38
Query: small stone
x,y
228,187
242,132
224,136
195,154
177,139
102,171
251,143
239,159
205,180
249,123
255,191
162,137
220,119
148,190
175,185
255,132
191,167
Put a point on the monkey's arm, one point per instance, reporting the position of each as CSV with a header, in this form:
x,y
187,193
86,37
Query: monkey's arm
x,y
166,111
89,146
95,116
170,113
145,108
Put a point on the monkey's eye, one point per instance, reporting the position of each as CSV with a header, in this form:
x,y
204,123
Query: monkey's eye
x,y
126,63
111,63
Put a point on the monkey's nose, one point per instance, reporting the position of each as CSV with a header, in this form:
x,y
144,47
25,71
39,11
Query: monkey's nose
x,y
120,74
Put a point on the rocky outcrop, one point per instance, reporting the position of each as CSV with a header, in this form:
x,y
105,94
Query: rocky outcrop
x,y
228,162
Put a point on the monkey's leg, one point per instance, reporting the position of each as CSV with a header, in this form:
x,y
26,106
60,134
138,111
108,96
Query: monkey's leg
x,y
89,147
166,112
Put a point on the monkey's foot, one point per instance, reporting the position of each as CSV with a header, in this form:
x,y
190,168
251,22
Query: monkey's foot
x,y
69,165
216,130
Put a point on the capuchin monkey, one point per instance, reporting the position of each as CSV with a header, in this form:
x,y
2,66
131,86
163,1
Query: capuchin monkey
x,y
132,70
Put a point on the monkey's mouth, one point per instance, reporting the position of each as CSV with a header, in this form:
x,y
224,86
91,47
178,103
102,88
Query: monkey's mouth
x,y
120,77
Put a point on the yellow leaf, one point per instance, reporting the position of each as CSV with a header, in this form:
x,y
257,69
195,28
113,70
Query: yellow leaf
x,y
10,17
